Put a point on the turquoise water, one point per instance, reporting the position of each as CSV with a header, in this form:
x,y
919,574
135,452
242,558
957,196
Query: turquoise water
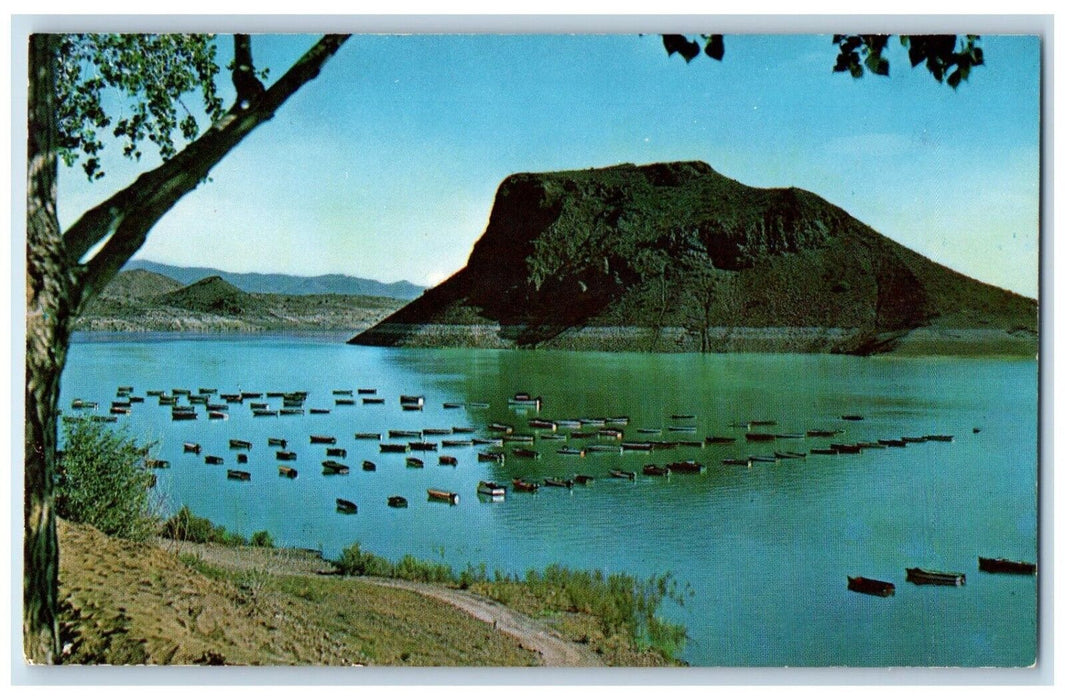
x,y
765,551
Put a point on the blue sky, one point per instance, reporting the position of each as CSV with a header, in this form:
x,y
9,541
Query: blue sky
x,y
386,165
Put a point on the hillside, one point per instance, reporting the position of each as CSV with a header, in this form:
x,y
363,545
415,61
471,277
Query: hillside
x,y
677,257
138,300
261,283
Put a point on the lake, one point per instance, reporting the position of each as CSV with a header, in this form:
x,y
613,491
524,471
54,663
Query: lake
x,y
765,550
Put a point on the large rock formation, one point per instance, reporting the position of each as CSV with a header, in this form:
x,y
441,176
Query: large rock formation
x,y
676,257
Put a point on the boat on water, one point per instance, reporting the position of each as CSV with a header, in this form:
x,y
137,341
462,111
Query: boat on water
x,y
655,470
262,412
239,444
462,429
584,479
871,445
331,466
344,402
603,448
870,586
287,472
404,433
568,423
719,440
192,447
734,462
935,578
346,506
526,486
649,431
789,455
371,401
760,437
524,400
238,475
342,392
441,495
501,428
336,452
495,442
939,438
914,439
637,446
852,417
682,416
242,458
682,428
622,474
1007,566
611,433
618,420
845,448
157,463
418,446
436,431
491,457
491,488
517,437
217,415
391,447
367,436
456,443
397,502
686,467
572,451
415,462
449,461
772,459
212,459
525,454
254,404
367,391
823,433
541,424
453,404
277,442
285,456
319,411
479,404
823,451
891,442
562,483
292,411
176,415
323,440
368,466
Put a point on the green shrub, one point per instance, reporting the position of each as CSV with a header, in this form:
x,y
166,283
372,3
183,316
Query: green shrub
x,y
187,527
104,481
262,538
354,562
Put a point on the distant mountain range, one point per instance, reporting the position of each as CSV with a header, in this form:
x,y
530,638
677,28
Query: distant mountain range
x,y
675,257
262,283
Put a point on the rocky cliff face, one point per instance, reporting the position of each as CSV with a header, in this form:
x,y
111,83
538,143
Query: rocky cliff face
x,y
677,257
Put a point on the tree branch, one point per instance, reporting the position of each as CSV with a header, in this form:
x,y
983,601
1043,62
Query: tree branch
x,y
129,214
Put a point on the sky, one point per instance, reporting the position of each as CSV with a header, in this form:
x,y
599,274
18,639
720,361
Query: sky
x,y
386,165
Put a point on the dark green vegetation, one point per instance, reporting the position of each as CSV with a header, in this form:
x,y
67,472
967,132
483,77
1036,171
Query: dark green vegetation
x,y
284,284
677,257
138,300
186,527
104,481
623,604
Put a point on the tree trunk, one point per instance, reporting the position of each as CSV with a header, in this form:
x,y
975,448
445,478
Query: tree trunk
x,y
47,337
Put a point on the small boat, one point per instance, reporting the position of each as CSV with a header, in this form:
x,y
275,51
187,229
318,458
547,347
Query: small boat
x,y
760,437
291,411
453,404
277,442
456,443
939,438
681,428
254,405
719,440
649,431
603,448
124,390
541,424
525,454
239,444
217,407
871,445
822,433
583,479
367,391
491,457
685,467
611,433
663,445
655,470
692,443
287,472
892,443
461,429
415,462
242,458
479,404
397,502
81,404
574,451
733,462
618,420
852,417
592,422
914,438
562,483
207,391
238,475
167,400
683,416
180,392
422,446
976,430
411,407
412,400
156,392
157,464
243,394
526,486
284,456
789,455
761,422
553,436
491,488
870,586
449,461
192,447
517,437
342,392
212,459
336,452
369,401
367,436
824,451
621,474
331,466
845,449
582,435
526,401
763,458
436,431
346,506
568,423
323,440
404,433
176,415
262,412
445,496
368,466
935,578
501,428
228,398
319,411
217,415
1006,566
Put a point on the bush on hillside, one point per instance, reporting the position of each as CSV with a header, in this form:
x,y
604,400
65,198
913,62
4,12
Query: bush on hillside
x,y
104,481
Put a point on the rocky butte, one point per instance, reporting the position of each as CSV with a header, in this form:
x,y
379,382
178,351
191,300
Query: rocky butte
x,y
675,257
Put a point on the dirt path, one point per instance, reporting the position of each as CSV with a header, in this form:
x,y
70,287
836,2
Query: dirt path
x,y
553,649
531,634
